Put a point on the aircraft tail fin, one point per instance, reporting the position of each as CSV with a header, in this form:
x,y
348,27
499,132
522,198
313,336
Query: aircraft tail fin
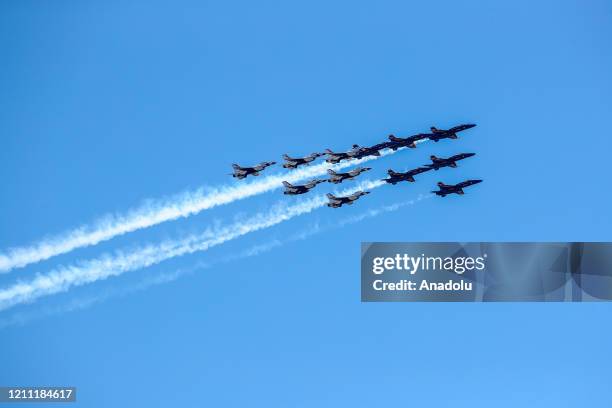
x,y
287,184
330,196
393,138
286,157
331,172
235,166
391,172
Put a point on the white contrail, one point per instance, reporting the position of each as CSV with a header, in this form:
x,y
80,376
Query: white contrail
x,y
23,317
384,209
63,278
153,213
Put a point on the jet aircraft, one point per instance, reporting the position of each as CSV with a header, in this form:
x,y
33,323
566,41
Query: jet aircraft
x,y
340,177
446,189
438,134
336,157
337,202
438,162
395,177
358,152
293,163
410,141
242,172
290,189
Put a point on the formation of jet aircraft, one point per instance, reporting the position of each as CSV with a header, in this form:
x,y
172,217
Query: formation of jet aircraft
x,y
358,152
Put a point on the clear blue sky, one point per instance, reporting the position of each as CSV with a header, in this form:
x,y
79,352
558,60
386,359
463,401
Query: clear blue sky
x,y
106,104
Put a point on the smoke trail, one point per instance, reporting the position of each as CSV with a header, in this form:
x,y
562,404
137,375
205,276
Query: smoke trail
x,y
21,318
63,278
154,213
83,302
384,209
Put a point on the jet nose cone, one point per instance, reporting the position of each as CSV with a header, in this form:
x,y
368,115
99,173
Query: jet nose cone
x,y
367,168
470,154
470,125
477,181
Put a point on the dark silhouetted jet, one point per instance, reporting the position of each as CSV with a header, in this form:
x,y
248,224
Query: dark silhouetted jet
x,y
337,202
395,177
358,152
290,189
242,172
438,162
293,163
446,189
340,177
410,141
439,134
336,157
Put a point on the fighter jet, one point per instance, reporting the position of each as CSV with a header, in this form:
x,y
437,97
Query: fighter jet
x,y
242,172
337,202
438,162
290,189
336,157
358,152
293,163
395,177
410,141
446,189
438,134
340,177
